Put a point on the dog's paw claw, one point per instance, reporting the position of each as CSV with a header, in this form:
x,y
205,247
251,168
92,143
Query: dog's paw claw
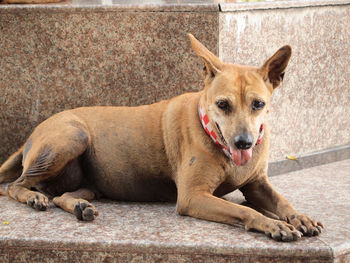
x,y
282,231
276,236
305,225
85,211
38,201
284,236
302,229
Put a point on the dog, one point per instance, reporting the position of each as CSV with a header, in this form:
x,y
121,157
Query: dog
x,y
192,149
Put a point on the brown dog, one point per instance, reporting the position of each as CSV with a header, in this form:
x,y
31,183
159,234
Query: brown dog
x,y
192,148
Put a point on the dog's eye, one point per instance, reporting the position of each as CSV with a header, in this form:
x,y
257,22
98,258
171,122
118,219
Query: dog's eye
x,y
223,105
257,105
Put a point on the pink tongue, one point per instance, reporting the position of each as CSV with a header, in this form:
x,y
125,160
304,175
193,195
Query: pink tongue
x,y
241,157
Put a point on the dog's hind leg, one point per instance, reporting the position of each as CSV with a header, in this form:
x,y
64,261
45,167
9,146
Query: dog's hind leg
x,y
49,154
77,203
12,168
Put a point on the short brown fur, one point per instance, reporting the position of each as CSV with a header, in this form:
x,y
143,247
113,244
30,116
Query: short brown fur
x,y
160,152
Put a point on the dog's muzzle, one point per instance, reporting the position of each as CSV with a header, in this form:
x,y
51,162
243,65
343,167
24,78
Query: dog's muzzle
x,y
242,152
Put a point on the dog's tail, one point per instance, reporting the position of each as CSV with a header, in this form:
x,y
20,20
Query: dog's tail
x,y
11,169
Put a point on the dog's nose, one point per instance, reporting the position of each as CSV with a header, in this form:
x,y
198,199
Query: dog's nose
x,y
243,141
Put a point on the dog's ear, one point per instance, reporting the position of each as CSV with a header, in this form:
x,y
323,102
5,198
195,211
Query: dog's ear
x,y
212,63
274,68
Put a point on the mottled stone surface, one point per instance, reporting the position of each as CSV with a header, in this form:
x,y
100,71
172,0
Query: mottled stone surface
x,y
311,110
4,255
39,256
55,58
149,232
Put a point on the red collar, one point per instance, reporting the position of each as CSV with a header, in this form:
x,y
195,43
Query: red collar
x,y
217,139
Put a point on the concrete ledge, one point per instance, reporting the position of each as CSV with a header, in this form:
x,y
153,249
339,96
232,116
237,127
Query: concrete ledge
x,y
310,160
149,232
236,7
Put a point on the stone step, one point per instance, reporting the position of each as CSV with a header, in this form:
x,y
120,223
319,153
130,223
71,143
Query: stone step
x,y
153,232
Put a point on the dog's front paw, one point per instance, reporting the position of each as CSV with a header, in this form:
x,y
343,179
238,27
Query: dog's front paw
x,y
276,229
305,224
85,211
281,231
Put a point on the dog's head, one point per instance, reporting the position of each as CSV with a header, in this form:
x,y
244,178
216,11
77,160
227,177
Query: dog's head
x,y
237,98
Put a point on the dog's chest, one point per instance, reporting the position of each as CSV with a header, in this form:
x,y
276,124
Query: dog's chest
x,y
237,176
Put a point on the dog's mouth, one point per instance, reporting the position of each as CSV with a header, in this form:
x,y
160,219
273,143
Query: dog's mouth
x,y
221,136
239,157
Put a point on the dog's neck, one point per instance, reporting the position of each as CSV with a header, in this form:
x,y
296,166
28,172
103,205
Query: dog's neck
x,y
208,127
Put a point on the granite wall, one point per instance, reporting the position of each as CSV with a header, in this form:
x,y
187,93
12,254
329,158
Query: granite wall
x,y
61,57
56,57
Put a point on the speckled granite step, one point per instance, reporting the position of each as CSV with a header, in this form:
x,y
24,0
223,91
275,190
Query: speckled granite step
x,y
144,232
